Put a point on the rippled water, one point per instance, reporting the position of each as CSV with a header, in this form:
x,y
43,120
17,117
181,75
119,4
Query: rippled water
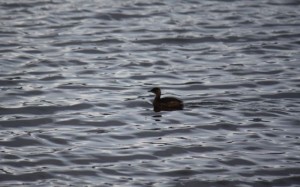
x,y
74,106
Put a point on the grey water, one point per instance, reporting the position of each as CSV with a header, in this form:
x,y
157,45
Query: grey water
x,y
75,108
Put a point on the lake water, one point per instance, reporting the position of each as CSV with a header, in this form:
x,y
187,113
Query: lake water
x,y
75,108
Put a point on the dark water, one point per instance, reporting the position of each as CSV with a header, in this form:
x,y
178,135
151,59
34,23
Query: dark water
x,y
74,106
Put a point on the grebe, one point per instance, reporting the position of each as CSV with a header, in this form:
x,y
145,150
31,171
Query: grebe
x,y
166,103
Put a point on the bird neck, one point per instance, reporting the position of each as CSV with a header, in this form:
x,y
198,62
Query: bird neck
x,y
157,97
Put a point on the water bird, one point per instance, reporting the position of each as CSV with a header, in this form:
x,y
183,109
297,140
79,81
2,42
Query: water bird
x,y
165,103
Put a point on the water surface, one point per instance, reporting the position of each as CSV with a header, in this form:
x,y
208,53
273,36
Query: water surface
x,y
74,106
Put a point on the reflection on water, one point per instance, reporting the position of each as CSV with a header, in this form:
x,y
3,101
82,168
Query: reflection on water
x,y
74,106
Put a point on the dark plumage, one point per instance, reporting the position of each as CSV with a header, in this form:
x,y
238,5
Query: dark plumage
x,y
166,103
